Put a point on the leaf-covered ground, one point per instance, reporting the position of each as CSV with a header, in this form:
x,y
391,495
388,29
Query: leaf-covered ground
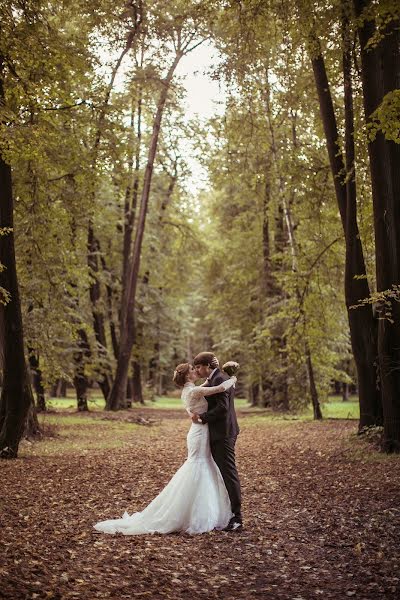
x,y
321,508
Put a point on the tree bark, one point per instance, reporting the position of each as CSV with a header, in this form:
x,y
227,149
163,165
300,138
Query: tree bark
x,y
379,75
37,381
111,322
104,375
363,326
137,390
81,381
254,392
16,395
313,388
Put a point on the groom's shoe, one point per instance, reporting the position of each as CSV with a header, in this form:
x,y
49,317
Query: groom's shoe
x,y
234,525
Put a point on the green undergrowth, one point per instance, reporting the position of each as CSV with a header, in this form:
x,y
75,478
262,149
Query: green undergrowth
x,y
333,409
81,434
96,403
68,432
366,448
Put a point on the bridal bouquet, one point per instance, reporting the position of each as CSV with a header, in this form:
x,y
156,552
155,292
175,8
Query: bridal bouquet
x,y
231,368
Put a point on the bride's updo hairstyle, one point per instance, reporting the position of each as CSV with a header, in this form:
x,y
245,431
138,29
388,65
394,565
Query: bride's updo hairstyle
x,y
180,374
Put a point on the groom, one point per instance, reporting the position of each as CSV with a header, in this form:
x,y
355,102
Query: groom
x,y
224,429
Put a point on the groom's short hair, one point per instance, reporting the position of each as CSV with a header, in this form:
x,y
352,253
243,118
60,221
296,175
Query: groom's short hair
x,y
204,358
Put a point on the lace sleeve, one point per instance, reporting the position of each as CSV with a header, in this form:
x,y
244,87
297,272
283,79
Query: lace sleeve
x,y
200,390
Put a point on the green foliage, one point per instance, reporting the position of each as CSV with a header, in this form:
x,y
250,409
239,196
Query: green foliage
x,y
386,118
252,266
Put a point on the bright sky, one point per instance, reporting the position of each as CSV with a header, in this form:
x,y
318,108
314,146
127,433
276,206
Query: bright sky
x,y
205,96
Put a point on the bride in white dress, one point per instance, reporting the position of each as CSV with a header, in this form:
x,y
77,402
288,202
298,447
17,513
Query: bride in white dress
x,y
195,500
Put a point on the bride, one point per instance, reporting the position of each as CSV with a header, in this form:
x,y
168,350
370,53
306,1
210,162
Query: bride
x,y
195,500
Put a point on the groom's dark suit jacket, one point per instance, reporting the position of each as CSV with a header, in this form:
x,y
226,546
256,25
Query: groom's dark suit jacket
x,y
221,416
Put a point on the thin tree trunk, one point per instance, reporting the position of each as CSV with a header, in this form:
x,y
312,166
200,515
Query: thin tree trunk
x,y
111,322
62,389
81,381
37,381
137,390
254,394
288,221
285,238
380,74
127,328
269,283
131,196
104,379
104,376
363,327
313,388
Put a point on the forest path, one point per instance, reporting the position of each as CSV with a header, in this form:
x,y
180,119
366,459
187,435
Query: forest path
x,y
321,510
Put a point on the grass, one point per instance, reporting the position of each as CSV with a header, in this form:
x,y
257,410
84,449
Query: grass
x,y
68,432
96,402
80,434
335,408
339,410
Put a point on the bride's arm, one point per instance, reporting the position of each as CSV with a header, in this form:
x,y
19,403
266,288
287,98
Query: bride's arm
x,y
201,390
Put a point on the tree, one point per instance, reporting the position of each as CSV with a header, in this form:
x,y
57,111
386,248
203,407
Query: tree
x,y
183,38
380,73
16,394
363,326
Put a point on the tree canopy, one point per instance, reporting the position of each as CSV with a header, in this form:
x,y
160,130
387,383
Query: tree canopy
x,y
287,259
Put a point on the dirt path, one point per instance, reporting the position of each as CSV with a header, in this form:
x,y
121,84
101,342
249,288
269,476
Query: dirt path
x,y
322,520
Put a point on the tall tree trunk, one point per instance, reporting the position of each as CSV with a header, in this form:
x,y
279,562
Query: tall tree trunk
x,y
111,322
131,194
380,74
59,389
16,395
37,380
104,375
283,237
62,393
254,392
127,328
269,283
81,381
313,388
135,13
287,220
137,390
363,326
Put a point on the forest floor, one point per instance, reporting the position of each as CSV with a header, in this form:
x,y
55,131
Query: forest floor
x,y
321,510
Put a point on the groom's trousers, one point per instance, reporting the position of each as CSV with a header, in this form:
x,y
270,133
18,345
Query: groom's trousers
x,y
223,452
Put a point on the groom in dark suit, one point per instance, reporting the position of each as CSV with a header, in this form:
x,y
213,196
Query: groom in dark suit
x,y
224,429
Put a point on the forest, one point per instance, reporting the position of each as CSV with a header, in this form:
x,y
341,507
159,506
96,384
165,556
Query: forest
x,y
135,233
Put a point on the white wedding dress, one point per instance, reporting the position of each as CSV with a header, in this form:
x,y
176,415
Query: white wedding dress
x,y
195,500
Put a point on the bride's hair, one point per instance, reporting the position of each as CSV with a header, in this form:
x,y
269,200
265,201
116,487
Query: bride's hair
x,y
180,374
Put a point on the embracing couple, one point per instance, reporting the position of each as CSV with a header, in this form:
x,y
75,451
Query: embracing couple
x,y
204,494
